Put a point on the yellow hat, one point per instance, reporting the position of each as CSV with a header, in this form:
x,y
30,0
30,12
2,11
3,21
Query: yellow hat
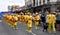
x,y
27,11
36,13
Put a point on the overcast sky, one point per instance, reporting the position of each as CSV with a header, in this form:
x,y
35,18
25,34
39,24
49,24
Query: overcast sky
x,y
4,3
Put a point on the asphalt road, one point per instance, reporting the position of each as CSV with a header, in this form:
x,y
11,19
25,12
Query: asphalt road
x,y
7,30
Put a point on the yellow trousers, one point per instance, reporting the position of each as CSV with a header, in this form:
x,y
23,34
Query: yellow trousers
x,y
29,26
22,21
13,24
7,21
51,26
36,25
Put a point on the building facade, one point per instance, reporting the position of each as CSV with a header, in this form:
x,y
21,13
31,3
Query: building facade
x,y
50,5
15,8
36,2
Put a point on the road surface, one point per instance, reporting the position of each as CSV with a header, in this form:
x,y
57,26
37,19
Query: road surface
x,y
7,30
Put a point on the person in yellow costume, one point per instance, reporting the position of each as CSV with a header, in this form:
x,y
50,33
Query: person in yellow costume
x,y
9,18
29,22
25,17
22,18
36,20
51,19
5,16
19,17
14,21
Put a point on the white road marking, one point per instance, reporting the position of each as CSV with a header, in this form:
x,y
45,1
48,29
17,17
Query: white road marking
x,y
0,20
31,33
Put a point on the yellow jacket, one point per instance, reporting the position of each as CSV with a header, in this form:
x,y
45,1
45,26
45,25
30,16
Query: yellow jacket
x,y
51,18
25,17
21,18
36,17
14,18
10,17
29,19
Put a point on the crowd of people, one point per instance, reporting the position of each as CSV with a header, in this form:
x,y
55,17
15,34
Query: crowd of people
x,y
47,19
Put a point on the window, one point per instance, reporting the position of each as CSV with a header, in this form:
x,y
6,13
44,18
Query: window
x,y
33,2
36,2
43,1
40,2
48,1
